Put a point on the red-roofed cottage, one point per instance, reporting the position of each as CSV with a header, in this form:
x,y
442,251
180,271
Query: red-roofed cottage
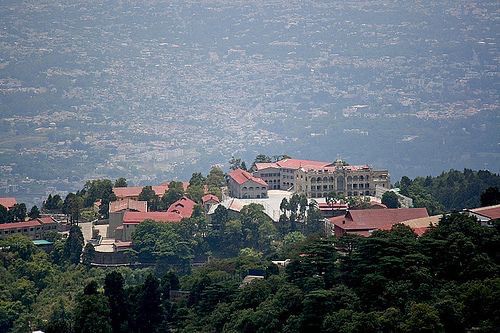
x,y
365,221
245,186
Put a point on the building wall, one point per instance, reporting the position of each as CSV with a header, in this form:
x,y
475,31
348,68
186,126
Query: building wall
x,y
115,220
272,176
128,229
247,190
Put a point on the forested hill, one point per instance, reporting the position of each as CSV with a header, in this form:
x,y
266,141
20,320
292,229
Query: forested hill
x,y
450,191
393,281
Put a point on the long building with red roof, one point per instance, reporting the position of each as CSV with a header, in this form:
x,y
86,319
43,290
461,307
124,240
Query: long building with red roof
x,y
244,185
364,221
35,229
316,178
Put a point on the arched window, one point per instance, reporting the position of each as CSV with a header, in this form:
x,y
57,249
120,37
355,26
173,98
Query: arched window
x,y
367,177
367,192
361,178
313,180
340,183
349,194
251,188
331,179
244,188
355,178
325,179
349,179
318,179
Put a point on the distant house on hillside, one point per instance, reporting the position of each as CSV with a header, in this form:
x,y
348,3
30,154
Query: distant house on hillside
x,y
8,202
245,186
364,222
485,215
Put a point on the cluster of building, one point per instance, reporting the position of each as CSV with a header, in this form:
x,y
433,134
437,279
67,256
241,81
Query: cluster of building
x,y
128,212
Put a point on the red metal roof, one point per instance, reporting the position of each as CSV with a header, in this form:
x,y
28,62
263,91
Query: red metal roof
x,y
20,225
138,217
184,207
371,219
8,202
491,212
241,176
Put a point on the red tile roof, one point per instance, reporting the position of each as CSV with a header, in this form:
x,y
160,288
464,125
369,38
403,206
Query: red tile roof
x,y
372,219
8,202
241,176
138,217
209,197
116,206
491,212
184,207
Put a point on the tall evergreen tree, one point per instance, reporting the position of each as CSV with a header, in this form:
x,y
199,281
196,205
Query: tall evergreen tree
x,y
73,245
117,300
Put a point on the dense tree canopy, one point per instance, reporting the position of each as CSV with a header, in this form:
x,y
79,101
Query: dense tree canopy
x,y
451,191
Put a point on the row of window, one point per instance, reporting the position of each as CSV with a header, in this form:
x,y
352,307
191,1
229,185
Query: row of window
x,y
258,196
251,188
325,194
269,174
330,179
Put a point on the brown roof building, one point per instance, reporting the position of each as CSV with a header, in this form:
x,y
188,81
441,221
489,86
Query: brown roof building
x,y
363,222
485,215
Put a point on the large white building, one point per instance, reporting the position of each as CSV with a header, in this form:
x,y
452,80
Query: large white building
x,y
316,179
